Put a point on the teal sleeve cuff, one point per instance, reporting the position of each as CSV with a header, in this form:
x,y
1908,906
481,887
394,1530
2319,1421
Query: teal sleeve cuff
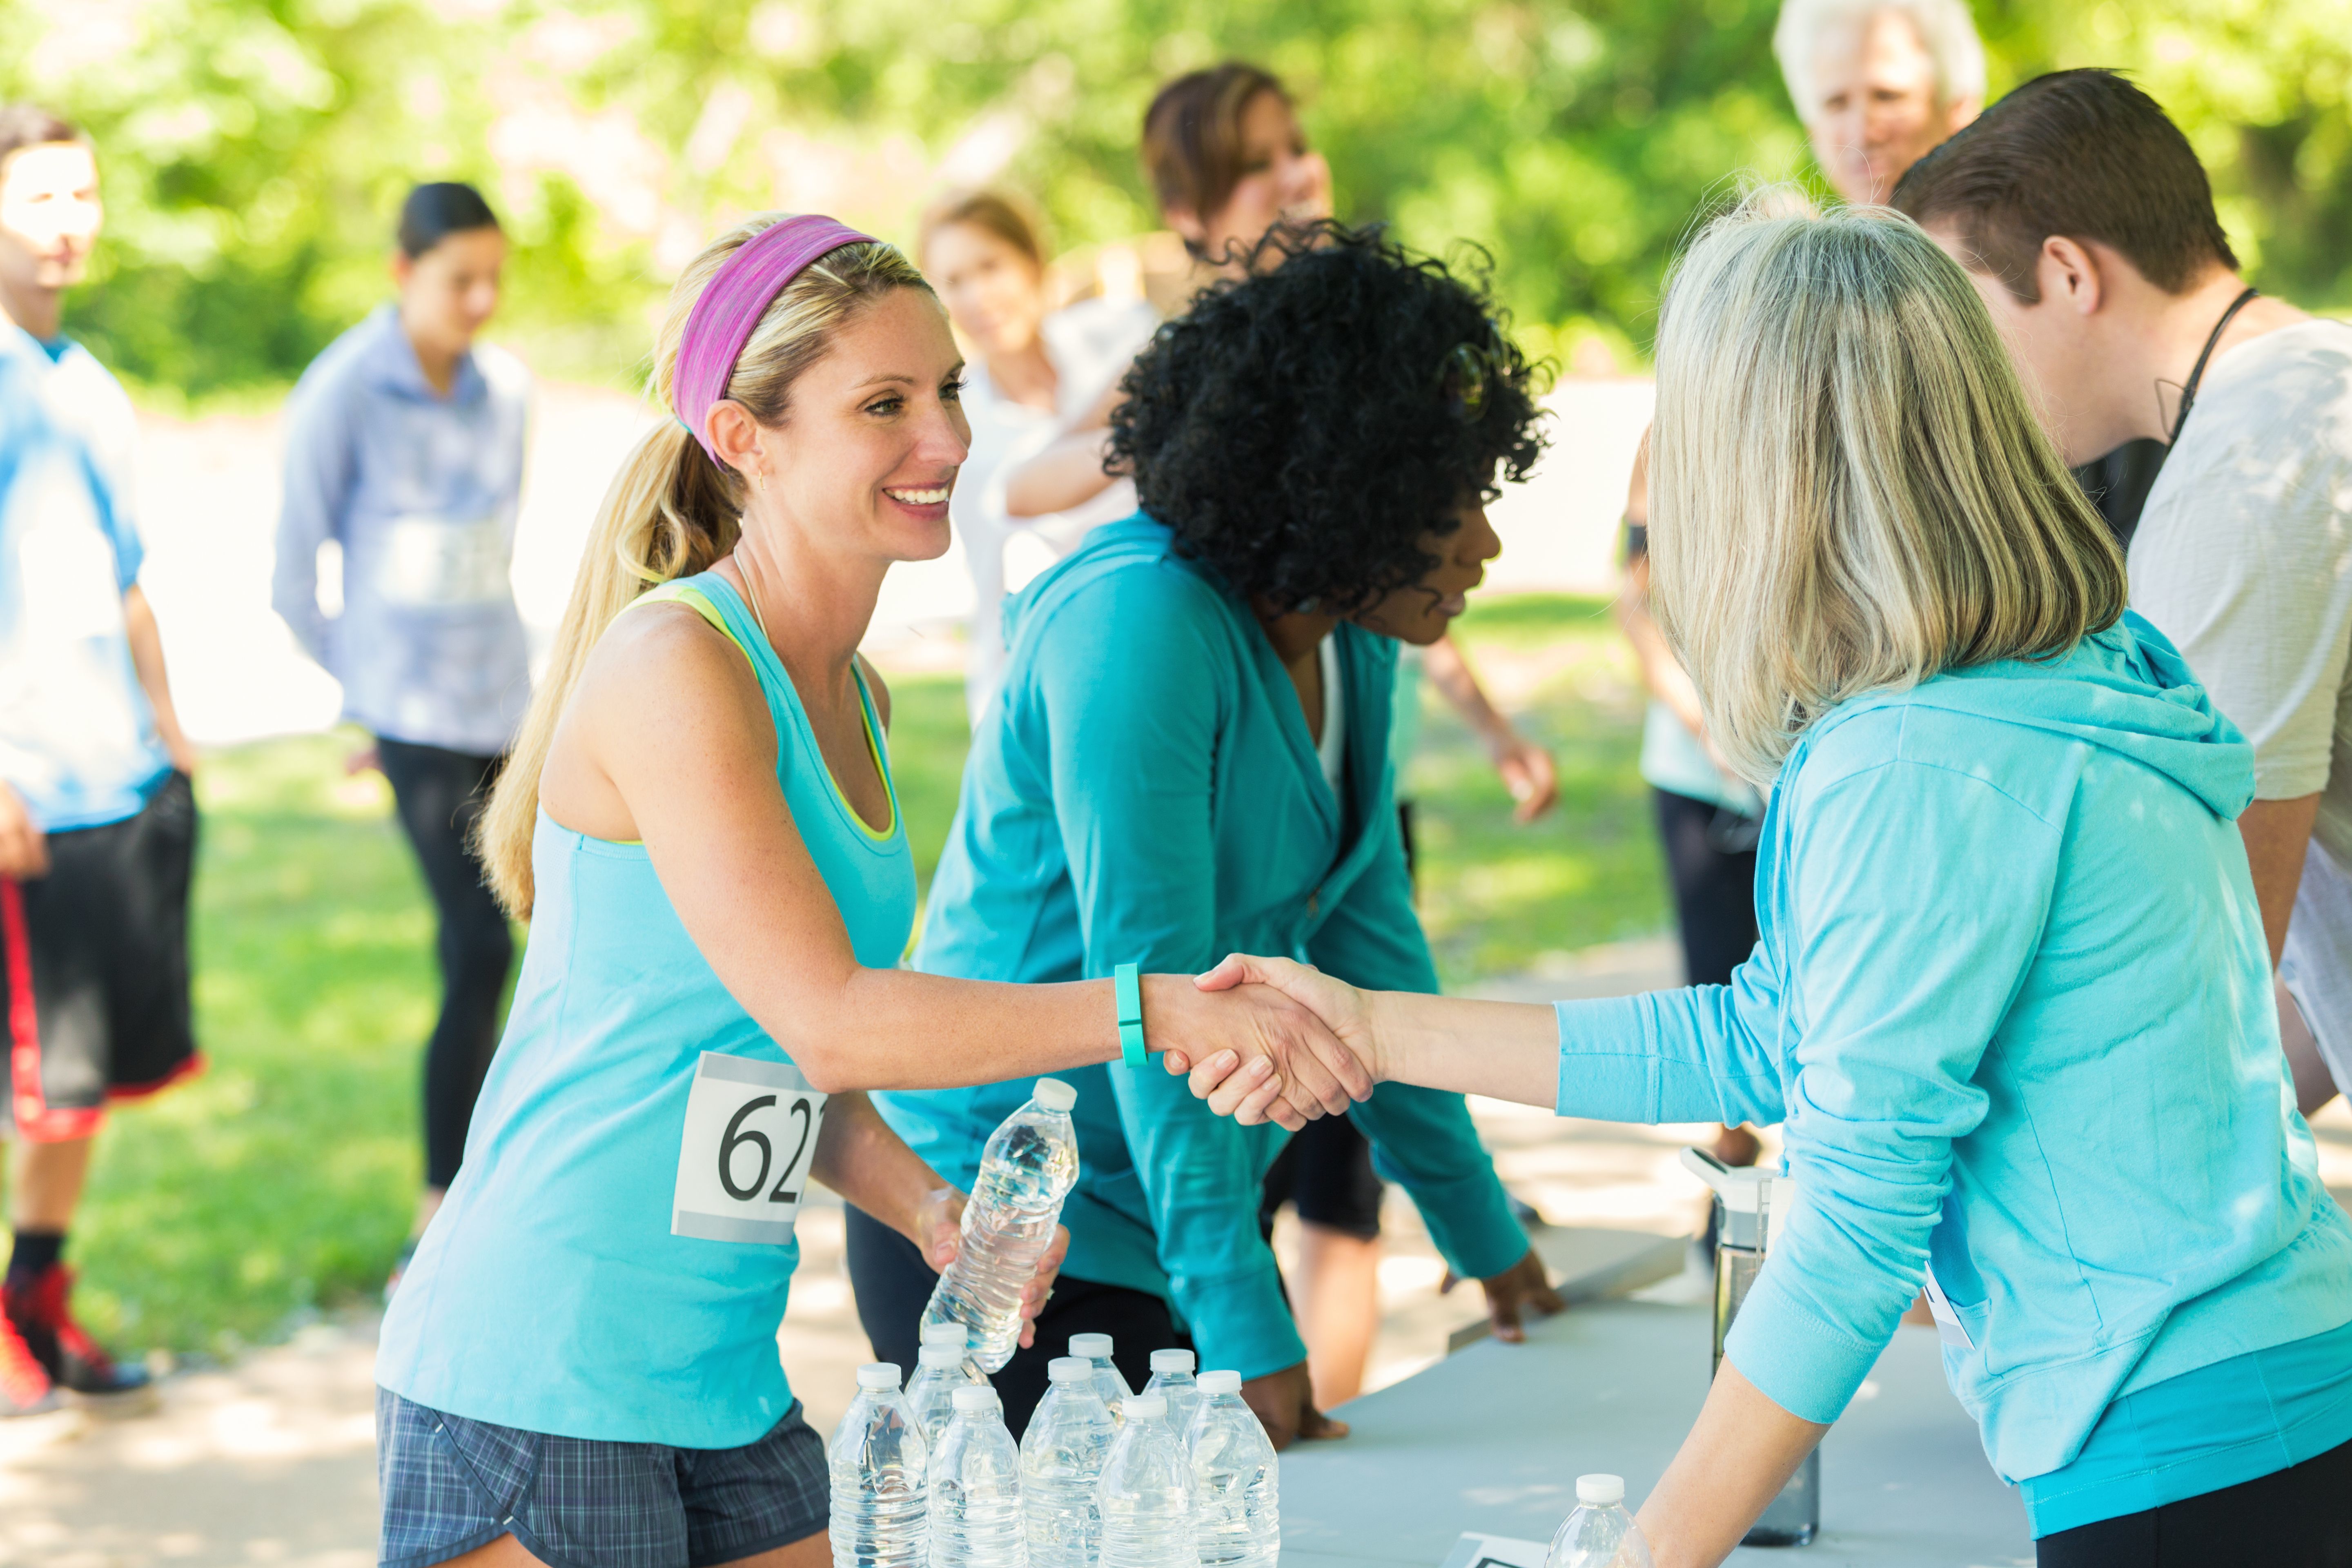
x,y
1604,1073
1791,1354
1241,1322
1685,1055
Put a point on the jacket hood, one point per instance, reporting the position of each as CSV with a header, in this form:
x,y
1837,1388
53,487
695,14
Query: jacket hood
x,y
2126,689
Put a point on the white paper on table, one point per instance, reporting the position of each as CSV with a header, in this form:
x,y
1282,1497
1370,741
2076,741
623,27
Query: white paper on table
x,y
1477,1551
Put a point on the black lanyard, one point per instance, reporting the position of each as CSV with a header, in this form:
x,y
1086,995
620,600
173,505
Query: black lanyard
x,y
2188,393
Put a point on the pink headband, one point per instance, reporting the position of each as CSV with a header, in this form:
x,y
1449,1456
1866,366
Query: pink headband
x,y
732,302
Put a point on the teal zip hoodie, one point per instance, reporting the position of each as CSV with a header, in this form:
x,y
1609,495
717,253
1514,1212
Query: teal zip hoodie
x,y
1144,790
2013,1004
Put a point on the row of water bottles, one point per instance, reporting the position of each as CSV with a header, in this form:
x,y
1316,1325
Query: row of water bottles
x,y
1178,1476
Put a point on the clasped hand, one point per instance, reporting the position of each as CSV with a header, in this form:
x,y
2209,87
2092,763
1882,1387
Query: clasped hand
x,y
1335,1024
1271,1055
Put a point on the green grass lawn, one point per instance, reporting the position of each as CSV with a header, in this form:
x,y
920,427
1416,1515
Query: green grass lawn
x,y
281,1181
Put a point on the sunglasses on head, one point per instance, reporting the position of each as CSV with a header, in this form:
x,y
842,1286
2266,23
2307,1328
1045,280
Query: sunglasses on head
x,y
1468,375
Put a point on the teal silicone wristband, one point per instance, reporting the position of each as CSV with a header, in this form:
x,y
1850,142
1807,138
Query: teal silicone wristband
x,y
1130,1013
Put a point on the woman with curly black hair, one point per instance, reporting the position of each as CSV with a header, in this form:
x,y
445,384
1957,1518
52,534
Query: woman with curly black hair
x,y
1189,756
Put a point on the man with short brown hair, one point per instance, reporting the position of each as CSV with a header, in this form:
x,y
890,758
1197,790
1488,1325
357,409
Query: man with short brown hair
x,y
2088,224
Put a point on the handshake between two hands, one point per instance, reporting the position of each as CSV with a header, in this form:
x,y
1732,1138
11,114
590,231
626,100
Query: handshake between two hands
x,y
1269,1040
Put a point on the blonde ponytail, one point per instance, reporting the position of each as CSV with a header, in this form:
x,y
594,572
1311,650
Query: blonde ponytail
x,y
672,512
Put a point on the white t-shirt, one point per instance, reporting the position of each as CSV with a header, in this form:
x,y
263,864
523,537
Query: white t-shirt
x,y
1091,345
2243,558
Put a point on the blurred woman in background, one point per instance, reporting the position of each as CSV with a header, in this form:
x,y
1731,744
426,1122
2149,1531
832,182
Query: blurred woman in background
x,y
1038,373
404,450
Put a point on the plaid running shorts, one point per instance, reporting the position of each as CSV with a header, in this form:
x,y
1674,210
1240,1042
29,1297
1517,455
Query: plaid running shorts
x,y
450,1484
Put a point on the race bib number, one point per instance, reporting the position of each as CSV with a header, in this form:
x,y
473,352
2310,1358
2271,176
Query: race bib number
x,y
437,560
743,1161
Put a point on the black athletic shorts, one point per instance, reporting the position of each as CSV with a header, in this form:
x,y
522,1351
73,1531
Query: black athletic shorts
x,y
1325,1170
94,969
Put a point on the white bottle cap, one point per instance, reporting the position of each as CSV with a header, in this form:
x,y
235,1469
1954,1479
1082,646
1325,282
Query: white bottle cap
x,y
1094,1347
1146,1407
1069,1368
1173,1361
1600,1490
954,1334
940,1355
971,1398
878,1374
1053,1094
1221,1382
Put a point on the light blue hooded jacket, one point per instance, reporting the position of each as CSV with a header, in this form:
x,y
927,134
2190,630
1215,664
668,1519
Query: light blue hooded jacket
x,y
2012,1004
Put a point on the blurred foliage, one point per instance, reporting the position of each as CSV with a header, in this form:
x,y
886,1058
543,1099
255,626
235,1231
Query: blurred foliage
x,y
256,149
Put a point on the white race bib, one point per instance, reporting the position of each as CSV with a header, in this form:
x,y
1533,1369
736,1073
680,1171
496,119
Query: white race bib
x,y
743,1160
437,560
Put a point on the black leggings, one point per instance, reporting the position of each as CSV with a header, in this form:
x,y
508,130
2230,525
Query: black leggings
x,y
2296,1518
894,1285
440,794
1715,887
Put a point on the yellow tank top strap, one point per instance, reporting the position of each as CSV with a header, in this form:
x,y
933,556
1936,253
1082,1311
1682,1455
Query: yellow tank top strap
x,y
680,592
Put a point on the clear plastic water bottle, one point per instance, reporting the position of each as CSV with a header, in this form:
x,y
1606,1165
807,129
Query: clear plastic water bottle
x,y
1062,1457
1172,1375
1600,1534
1027,1169
1108,1385
1146,1494
959,1338
976,1488
940,1370
878,1464
1236,1522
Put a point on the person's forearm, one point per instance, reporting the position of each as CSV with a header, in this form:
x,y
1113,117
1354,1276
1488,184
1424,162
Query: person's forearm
x,y
1066,474
147,662
899,1028
1504,1050
1449,670
1739,1454
870,1166
2277,832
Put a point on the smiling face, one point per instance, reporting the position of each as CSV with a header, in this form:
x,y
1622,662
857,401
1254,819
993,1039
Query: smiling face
x,y
1876,110
866,459
49,215
1283,181
993,292
1420,612
448,294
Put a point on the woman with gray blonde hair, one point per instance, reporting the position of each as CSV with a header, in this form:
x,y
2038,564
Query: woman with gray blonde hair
x,y
2008,927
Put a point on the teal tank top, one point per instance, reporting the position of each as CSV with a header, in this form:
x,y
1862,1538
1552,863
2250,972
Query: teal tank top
x,y
614,1258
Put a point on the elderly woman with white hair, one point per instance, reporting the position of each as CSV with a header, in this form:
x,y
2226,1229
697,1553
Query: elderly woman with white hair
x,y
2007,928
1878,84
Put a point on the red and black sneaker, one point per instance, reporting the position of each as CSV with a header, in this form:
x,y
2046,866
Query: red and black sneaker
x,y
25,1386
40,1314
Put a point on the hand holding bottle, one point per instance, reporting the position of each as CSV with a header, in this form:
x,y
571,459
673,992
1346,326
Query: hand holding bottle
x,y
939,1233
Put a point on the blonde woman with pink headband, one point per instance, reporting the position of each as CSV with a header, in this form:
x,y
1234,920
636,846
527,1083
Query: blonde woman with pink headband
x,y
580,1364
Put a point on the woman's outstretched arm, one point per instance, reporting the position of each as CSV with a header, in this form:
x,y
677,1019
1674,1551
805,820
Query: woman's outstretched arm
x,y
669,742
1701,1053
